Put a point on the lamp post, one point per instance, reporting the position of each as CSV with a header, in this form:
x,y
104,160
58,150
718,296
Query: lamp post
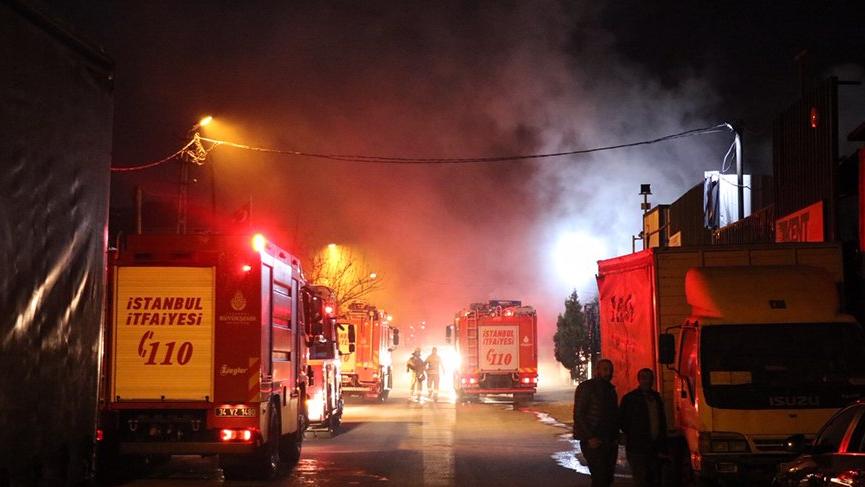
x,y
183,188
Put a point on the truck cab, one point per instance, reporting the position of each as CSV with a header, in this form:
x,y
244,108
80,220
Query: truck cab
x,y
324,403
764,354
366,342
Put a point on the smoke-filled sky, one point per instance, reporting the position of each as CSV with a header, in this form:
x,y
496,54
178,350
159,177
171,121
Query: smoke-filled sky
x,y
455,79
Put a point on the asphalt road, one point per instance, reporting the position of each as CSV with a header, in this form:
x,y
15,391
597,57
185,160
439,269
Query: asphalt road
x,y
421,444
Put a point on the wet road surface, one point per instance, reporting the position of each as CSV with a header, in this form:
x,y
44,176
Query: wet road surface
x,y
419,444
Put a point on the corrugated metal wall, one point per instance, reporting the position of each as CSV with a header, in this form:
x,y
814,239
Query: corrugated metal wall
x,y
686,216
804,157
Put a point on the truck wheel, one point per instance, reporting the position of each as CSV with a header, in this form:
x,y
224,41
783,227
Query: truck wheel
x,y
383,395
265,463
522,398
290,446
334,423
684,475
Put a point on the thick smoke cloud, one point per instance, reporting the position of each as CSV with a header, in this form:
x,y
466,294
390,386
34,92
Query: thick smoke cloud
x,y
444,80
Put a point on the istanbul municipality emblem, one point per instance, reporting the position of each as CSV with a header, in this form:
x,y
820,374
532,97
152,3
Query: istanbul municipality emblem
x,y
238,302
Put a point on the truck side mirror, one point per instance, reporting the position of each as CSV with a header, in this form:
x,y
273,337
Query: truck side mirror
x,y
352,338
351,348
395,337
310,375
666,348
449,333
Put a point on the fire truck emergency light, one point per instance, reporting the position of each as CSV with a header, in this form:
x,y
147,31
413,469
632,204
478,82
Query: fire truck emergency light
x,y
258,242
246,268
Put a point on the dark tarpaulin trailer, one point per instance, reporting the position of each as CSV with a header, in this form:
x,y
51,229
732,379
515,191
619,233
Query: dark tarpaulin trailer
x,y
56,99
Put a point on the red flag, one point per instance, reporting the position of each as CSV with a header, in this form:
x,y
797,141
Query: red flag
x,y
242,215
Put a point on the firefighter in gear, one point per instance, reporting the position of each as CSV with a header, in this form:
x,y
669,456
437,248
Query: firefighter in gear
x,y
416,367
433,369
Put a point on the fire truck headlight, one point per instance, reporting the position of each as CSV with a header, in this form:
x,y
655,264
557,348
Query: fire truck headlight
x,y
526,380
472,380
450,359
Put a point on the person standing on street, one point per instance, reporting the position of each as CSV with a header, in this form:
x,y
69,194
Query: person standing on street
x,y
416,367
596,423
433,368
644,423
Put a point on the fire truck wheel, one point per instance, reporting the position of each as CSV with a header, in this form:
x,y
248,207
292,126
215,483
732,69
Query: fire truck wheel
x,y
290,446
523,398
261,465
383,395
334,422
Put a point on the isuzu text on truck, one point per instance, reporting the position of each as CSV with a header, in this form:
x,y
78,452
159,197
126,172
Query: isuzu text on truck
x,y
366,342
748,346
206,351
324,402
497,346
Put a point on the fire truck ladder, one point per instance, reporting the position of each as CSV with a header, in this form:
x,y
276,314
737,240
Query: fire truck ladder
x,y
472,339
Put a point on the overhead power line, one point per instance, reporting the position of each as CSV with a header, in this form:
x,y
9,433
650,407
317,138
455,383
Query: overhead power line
x,y
201,152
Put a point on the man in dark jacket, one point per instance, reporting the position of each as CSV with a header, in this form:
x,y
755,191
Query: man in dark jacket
x,y
642,419
596,423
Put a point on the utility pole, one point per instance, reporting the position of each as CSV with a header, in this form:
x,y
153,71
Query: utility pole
x,y
183,196
740,168
185,163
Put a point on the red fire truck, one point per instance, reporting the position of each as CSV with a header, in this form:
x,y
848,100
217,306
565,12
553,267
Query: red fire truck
x,y
324,394
366,340
205,352
498,350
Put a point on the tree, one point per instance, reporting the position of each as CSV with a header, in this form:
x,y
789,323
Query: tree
x,y
573,338
338,268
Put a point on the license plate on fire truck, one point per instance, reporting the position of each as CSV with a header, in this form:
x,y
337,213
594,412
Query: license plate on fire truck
x,y
235,412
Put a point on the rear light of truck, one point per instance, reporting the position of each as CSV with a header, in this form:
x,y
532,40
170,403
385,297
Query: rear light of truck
x,y
100,435
236,435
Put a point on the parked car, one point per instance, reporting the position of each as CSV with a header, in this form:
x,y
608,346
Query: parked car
x,y
837,456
